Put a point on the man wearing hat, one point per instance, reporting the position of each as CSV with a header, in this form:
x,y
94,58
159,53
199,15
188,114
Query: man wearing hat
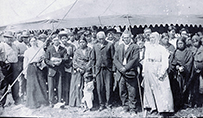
x,y
8,64
172,33
118,33
56,56
41,40
63,35
21,47
26,38
110,35
103,53
93,38
72,39
126,60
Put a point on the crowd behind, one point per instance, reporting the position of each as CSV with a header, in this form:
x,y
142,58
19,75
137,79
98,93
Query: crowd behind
x,y
91,68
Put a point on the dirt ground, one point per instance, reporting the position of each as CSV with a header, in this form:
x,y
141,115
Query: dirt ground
x,y
12,110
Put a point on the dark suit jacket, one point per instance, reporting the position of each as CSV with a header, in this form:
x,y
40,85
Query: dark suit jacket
x,y
51,52
103,56
132,59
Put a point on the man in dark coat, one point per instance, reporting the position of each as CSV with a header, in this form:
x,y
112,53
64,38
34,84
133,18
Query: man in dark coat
x,y
56,55
103,62
126,60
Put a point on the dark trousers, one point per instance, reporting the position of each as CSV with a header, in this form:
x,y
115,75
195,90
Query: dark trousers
x,y
66,87
10,76
128,91
179,98
104,84
22,79
55,82
194,89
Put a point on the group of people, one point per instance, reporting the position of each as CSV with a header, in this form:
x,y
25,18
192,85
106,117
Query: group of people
x,y
89,68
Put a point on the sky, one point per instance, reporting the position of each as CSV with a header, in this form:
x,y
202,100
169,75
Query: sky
x,y
14,11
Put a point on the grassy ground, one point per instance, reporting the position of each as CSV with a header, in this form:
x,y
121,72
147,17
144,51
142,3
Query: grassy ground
x,y
12,110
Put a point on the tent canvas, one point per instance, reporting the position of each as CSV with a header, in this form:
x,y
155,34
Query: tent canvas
x,y
119,12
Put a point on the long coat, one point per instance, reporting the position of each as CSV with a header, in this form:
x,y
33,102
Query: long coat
x,y
103,56
132,58
103,67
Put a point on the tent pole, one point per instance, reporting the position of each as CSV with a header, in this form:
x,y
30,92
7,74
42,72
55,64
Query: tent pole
x,y
128,20
100,20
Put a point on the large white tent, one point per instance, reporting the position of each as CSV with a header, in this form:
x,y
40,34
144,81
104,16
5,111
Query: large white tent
x,y
118,12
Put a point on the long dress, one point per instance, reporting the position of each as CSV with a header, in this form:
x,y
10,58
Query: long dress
x,y
157,93
179,79
80,60
36,86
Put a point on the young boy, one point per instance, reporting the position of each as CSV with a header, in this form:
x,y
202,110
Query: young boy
x,y
88,96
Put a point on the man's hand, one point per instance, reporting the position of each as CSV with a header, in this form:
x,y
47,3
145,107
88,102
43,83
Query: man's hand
x,y
198,71
123,69
181,69
177,67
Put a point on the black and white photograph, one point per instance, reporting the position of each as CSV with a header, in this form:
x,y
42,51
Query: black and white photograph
x,y
101,58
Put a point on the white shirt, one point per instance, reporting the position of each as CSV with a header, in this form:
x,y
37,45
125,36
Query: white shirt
x,y
56,48
125,48
8,53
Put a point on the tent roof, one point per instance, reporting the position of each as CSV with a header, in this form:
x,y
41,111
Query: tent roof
x,y
120,12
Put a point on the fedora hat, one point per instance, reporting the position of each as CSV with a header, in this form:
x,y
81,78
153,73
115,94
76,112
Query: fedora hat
x,y
25,34
42,36
118,30
8,34
63,33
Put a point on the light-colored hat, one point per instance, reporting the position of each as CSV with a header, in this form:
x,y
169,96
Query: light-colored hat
x,y
42,36
101,34
63,33
127,32
118,30
8,34
33,39
25,34
55,39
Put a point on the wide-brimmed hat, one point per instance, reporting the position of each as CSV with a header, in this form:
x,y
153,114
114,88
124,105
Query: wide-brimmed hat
x,y
25,34
118,30
63,33
8,34
111,30
42,36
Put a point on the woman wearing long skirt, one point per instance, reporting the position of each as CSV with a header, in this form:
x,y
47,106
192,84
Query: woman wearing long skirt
x,y
157,90
81,65
181,63
36,87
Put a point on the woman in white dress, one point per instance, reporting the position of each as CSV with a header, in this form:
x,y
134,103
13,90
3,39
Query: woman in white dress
x,y
157,90
36,85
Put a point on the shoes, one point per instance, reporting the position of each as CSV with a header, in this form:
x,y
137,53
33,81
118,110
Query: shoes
x,y
126,109
51,105
17,102
101,108
87,109
133,111
109,107
59,105
154,112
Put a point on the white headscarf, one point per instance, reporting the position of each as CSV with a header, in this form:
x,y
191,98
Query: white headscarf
x,y
157,37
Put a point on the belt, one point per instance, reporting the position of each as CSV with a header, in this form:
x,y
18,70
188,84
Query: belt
x,y
153,60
